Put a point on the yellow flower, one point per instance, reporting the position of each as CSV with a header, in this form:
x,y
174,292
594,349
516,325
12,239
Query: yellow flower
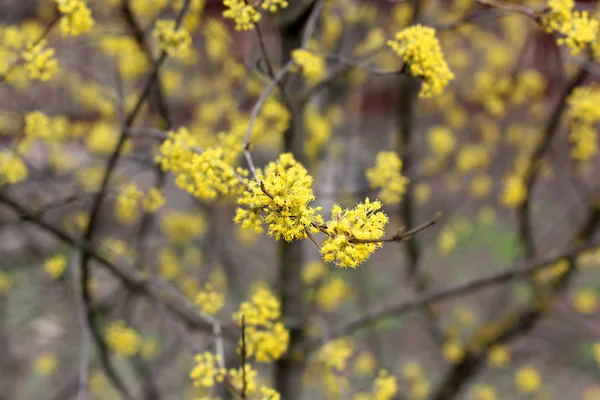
x,y
386,175
447,241
441,141
236,377
174,41
528,380
122,339
244,15
76,17
313,271
335,354
12,168
585,301
40,61
576,27
266,338
181,228
481,186
364,364
5,282
453,351
332,293
583,118
346,230
55,266
210,300
514,192
484,391
596,352
312,65
412,371
273,5
45,364
207,371
126,206
153,201
386,386
421,51
498,357
285,200
168,264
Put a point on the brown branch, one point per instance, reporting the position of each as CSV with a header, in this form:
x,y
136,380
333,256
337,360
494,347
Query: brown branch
x,y
533,168
527,11
243,351
396,309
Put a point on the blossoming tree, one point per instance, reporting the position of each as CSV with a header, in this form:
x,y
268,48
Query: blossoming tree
x,y
200,203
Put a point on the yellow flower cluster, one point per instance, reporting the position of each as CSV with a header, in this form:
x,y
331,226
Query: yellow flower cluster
x,y
585,301
346,230
53,129
210,300
386,386
576,27
441,141
514,192
332,293
181,228
40,61
168,264
528,380
284,192
248,377
244,15
126,205
274,5
12,168
386,175
207,371
206,174
123,339
5,282
76,17
45,364
55,266
583,116
266,337
174,41
312,65
335,354
153,200
421,50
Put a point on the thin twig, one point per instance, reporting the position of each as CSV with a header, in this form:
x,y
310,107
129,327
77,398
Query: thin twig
x,y
403,236
243,351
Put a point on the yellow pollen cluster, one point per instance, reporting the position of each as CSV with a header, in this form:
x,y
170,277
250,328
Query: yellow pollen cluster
x,y
40,61
386,175
266,337
583,115
244,15
207,372
312,65
421,50
76,17
12,168
174,41
122,339
347,228
285,200
576,27
153,200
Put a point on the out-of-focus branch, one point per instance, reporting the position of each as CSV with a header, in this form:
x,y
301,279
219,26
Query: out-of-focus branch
x,y
396,309
97,206
535,163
